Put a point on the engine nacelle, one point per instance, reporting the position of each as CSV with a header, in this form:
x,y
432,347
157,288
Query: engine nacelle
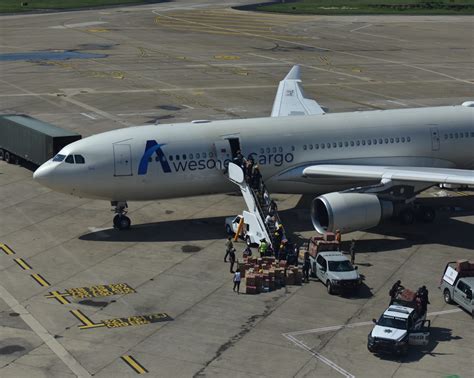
x,y
348,212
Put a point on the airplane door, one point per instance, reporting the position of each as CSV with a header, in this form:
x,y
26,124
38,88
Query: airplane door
x,y
222,151
122,160
434,138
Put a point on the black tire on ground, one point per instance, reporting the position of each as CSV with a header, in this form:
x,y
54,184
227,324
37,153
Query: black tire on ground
x,y
329,288
247,241
122,222
427,214
447,296
7,157
407,216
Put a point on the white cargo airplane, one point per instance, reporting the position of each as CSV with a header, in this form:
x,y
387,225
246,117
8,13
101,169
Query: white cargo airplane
x,y
365,165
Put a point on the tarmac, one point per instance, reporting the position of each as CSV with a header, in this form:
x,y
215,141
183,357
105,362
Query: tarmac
x,y
78,298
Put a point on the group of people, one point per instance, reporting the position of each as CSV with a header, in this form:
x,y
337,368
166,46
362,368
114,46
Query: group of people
x,y
421,295
251,170
230,253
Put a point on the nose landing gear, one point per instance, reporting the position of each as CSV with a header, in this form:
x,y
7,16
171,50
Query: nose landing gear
x,y
121,221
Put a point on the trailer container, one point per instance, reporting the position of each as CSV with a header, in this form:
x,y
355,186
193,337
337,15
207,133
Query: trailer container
x,y
26,139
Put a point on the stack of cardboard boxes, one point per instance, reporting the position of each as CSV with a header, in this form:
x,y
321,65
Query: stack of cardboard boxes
x,y
266,274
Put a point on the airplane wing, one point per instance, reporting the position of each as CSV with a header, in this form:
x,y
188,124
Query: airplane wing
x,y
290,99
418,174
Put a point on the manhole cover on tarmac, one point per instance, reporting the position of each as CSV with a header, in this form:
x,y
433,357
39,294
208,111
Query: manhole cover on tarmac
x,y
190,248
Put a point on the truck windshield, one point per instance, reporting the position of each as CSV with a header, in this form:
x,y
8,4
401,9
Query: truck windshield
x,y
340,266
390,321
59,157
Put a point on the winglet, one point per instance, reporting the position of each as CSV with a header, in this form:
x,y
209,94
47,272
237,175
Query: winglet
x,y
294,73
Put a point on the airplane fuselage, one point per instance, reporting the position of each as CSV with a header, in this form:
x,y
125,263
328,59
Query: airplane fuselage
x,y
188,159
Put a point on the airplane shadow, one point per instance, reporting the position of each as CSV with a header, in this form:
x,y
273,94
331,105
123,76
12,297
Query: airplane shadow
x,y
445,230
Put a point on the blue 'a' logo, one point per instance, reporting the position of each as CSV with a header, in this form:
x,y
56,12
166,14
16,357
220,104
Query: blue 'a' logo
x,y
151,148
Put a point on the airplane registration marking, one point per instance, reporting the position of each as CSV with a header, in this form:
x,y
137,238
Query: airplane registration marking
x,y
91,292
134,364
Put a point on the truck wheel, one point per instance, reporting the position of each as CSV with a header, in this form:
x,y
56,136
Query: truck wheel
x,y
447,296
7,157
329,288
248,241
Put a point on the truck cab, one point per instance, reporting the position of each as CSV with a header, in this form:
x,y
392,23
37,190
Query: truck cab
x,y
397,328
335,270
457,285
251,230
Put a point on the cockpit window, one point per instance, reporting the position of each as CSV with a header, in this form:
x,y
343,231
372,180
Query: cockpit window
x,y
79,159
59,157
69,159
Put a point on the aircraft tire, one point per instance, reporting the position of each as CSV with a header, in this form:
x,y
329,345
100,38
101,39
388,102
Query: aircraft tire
x,y
428,214
407,217
122,222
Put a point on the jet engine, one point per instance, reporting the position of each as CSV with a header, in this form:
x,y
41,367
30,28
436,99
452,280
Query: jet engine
x,y
348,212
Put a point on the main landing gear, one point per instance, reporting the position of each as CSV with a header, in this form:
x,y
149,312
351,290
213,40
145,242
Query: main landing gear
x,y
425,214
121,221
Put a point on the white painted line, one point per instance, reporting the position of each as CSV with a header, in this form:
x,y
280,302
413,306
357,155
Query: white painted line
x,y
397,102
49,340
360,324
187,106
88,116
79,25
361,27
319,356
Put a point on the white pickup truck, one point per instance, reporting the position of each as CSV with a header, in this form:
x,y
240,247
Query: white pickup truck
x,y
457,285
396,329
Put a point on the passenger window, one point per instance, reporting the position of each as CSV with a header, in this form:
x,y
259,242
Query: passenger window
x,y
328,145
352,143
323,146
340,144
369,142
274,149
69,159
316,146
363,142
198,155
262,150
403,139
386,140
346,144
211,154
184,156
305,147
292,148
190,156
445,136
203,155
334,144
408,139
268,150
280,149
466,135
358,142
456,135
380,141
397,140
472,135
461,135
391,140
310,146
375,141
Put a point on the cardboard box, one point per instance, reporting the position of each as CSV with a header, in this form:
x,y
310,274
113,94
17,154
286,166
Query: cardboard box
x,y
251,290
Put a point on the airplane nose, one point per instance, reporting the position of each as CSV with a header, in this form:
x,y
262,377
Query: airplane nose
x,y
43,174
